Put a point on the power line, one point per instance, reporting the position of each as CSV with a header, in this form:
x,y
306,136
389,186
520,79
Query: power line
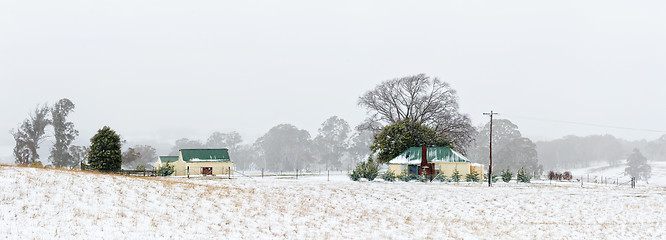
x,y
587,124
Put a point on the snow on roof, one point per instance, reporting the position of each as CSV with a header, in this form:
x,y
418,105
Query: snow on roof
x,y
204,160
435,154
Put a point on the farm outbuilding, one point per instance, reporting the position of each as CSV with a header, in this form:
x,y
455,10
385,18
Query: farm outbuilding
x,y
442,160
211,161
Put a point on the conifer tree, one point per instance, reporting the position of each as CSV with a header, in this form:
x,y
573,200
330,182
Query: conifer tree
x,y
472,177
523,176
638,166
105,154
507,175
456,175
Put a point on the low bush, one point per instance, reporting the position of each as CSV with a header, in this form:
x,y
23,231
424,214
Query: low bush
x,y
441,178
472,177
567,176
355,175
368,170
388,176
406,177
506,175
456,176
493,177
523,176
165,170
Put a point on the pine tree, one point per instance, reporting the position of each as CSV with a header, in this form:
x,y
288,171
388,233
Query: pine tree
x,y
638,166
105,154
506,175
472,177
456,175
165,170
523,176
368,170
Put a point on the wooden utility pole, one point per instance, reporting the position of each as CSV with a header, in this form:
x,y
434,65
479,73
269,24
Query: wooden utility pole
x,y
490,167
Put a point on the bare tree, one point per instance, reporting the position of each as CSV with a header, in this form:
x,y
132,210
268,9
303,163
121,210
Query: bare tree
x,y
79,154
418,98
29,135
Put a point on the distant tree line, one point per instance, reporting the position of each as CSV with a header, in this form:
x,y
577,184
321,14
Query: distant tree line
x,y
285,147
511,151
576,152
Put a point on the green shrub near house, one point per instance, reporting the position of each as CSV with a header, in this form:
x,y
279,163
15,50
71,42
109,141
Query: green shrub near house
x,y
441,178
388,176
165,170
406,177
456,175
472,177
368,170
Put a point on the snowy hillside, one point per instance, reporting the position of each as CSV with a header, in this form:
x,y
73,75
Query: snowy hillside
x,y
46,204
603,171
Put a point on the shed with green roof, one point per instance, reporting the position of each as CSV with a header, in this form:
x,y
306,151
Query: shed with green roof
x,y
200,161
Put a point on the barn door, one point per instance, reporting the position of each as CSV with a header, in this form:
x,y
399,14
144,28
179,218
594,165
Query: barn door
x,y
206,171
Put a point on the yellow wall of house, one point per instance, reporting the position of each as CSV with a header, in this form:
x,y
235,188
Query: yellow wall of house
x,y
219,168
180,167
447,168
396,168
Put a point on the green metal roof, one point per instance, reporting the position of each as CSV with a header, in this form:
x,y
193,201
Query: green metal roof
x,y
168,158
435,154
205,155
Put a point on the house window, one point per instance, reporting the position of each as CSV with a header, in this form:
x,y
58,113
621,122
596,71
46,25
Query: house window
x,y
404,167
206,171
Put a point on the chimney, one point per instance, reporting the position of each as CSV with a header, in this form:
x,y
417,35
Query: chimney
x,y
424,156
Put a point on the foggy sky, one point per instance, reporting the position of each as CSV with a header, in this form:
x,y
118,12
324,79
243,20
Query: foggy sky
x,y
155,71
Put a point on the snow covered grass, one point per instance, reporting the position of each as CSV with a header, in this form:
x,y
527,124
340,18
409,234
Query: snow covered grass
x,y
602,170
47,203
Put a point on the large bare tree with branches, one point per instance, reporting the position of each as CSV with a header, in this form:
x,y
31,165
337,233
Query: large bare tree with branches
x,y
29,135
418,98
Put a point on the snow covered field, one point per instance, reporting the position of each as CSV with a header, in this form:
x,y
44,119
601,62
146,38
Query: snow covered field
x,y
616,173
46,203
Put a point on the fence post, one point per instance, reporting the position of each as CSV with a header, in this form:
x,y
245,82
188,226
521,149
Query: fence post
x,y
229,172
328,177
296,173
188,171
262,173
